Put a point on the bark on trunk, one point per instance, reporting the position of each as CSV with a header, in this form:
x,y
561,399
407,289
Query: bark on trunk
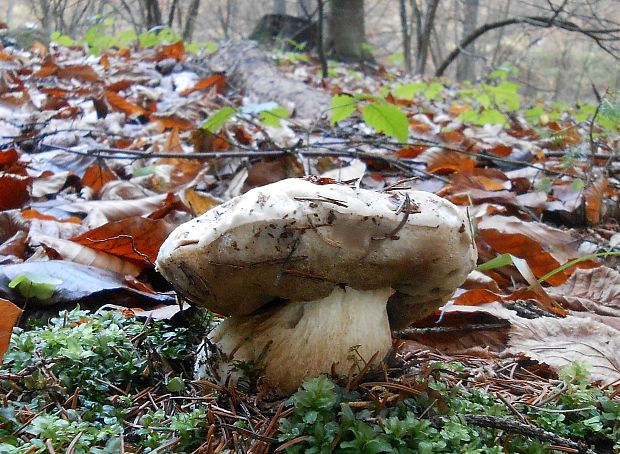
x,y
346,30
192,13
248,68
465,68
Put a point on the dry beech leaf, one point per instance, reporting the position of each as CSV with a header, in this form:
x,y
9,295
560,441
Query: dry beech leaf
x,y
80,284
15,246
97,176
10,314
114,210
176,51
493,242
595,290
8,157
135,238
120,104
594,201
445,162
49,184
215,80
13,191
561,342
74,252
199,202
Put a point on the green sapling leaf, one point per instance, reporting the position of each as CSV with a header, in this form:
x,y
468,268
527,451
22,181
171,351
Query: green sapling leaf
x,y
35,285
388,119
218,118
342,107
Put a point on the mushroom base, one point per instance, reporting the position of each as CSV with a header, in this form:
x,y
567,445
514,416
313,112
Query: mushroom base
x,y
297,340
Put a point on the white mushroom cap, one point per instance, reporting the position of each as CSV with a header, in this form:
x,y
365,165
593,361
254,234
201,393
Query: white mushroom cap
x,y
298,240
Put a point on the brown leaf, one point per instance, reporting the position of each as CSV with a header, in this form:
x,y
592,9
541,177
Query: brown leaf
x,y
594,290
80,284
10,314
120,104
81,72
15,246
561,342
176,51
8,157
217,80
13,191
594,201
97,176
444,162
265,172
205,141
199,202
494,242
78,253
135,238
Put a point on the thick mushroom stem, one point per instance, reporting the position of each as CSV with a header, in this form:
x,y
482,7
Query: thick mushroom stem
x,y
296,340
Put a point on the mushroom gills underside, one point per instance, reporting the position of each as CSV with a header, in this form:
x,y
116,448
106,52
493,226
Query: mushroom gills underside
x,y
293,341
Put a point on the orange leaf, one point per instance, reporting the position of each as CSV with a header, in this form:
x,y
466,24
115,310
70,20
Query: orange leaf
x,y
444,162
419,126
540,261
500,150
176,51
594,198
97,175
457,109
217,80
81,72
134,238
10,315
8,157
122,105
173,143
171,122
48,68
31,213
411,151
13,191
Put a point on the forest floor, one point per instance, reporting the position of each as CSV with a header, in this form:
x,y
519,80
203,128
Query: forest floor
x,y
103,154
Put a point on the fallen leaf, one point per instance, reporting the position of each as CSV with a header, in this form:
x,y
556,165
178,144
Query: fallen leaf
x,y
594,201
97,176
176,51
13,190
80,284
74,252
120,104
215,80
10,315
135,238
199,202
595,290
561,342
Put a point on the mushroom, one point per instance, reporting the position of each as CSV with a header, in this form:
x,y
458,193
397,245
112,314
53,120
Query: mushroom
x,y
315,276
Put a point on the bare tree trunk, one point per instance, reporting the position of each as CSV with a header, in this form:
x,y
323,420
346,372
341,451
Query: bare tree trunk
x,y
404,26
190,22
346,30
306,8
153,13
279,6
321,39
500,36
424,33
465,69
226,16
171,13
